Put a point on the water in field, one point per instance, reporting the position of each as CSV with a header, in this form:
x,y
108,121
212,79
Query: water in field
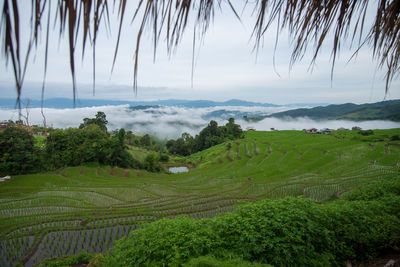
x,y
178,169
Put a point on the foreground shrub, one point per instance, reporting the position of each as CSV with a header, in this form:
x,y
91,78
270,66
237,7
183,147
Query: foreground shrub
x,y
283,232
209,261
164,242
280,232
382,188
81,258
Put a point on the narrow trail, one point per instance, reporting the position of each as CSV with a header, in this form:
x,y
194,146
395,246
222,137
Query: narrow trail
x,y
243,189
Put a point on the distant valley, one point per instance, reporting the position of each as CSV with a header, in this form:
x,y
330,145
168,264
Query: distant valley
x,y
385,110
171,118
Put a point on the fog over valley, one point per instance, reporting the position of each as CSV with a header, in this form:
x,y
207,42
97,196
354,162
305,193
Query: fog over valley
x,y
171,122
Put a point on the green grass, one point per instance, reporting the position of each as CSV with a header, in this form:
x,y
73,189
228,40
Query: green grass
x,y
76,208
40,141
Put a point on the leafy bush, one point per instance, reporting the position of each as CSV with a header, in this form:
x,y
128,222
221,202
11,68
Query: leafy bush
x,y
366,132
81,258
164,158
379,189
284,232
151,164
18,154
164,243
395,137
209,261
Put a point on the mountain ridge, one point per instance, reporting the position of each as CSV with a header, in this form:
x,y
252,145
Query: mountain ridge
x,y
384,110
61,103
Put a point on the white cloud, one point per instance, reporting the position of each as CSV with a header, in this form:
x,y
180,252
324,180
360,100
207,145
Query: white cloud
x,y
306,123
171,122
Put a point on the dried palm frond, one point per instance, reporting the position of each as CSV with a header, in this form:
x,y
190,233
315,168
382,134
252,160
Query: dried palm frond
x,y
308,22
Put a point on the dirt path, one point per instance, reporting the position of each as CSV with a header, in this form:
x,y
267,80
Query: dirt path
x,y
244,188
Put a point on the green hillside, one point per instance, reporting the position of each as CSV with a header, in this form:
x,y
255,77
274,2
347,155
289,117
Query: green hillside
x,y
87,208
385,110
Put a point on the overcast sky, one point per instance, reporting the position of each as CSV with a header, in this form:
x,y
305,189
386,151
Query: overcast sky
x,y
226,68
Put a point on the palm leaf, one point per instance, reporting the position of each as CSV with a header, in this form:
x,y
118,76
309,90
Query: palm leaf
x,y
308,22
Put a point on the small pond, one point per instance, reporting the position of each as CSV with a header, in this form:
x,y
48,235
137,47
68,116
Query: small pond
x,y
178,169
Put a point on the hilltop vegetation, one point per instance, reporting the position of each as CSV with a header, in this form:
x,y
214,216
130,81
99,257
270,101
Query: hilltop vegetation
x,y
21,151
92,143
70,147
210,136
385,110
88,207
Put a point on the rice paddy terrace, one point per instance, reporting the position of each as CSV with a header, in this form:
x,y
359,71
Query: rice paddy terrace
x,y
86,208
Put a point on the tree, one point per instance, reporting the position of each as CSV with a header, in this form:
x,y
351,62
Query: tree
x,y
151,164
308,22
119,156
210,136
145,140
17,151
233,130
99,120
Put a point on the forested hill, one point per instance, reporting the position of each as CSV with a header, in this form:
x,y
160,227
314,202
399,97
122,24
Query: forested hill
x,y
385,110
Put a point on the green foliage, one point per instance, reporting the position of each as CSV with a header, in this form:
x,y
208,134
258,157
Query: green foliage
x,y
18,154
366,132
395,137
96,261
284,232
164,243
145,141
81,258
73,147
151,164
90,143
210,261
93,199
164,158
384,188
100,120
209,136
119,154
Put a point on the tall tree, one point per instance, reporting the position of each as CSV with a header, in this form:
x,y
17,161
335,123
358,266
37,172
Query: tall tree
x,y
100,120
17,151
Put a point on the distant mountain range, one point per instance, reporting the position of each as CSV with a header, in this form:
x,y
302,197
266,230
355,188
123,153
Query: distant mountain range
x,y
385,110
61,103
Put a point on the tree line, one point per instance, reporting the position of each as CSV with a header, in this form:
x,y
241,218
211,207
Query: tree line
x,y
21,152
210,136
91,142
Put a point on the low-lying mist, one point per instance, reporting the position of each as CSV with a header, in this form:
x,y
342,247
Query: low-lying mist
x,y
171,122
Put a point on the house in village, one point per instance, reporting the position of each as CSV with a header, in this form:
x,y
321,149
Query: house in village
x,y
250,128
356,128
3,125
326,131
312,131
5,178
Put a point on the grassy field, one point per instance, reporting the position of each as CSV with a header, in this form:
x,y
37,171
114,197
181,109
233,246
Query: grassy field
x,y
86,208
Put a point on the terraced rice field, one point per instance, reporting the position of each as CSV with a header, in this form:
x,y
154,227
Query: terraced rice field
x,y
87,208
